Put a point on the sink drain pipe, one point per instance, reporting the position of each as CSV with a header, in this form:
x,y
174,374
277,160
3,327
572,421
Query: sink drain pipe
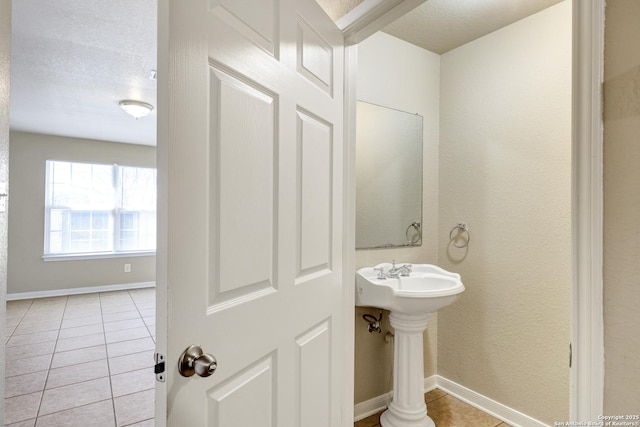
x,y
375,324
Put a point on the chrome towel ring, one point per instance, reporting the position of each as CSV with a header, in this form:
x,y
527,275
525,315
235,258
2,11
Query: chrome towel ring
x,y
456,233
417,237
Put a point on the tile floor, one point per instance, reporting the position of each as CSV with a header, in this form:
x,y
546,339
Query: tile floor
x,y
87,360
446,411
81,360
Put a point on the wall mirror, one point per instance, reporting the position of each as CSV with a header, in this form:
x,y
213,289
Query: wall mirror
x,y
388,177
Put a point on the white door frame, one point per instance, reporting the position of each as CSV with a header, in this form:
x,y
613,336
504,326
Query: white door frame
x,y
587,375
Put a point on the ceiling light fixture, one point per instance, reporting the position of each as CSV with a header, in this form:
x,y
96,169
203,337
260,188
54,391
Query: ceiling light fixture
x,y
136,109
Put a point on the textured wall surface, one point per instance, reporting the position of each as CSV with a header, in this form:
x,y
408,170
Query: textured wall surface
x,y
399,75
27,272
5,48
505,170
622,207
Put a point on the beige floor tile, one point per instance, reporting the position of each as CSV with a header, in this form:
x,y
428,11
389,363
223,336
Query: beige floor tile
x,y
83,299
123,324
27,423
150,290
129,347
146,423
119,297
133,382
82,355
79,342
50,301
126,334
148,312
125,315
81,331
32,338
146,304
14,320
96,414
31,328
21,408
111,309
451,412
81,321
19,351
77,373
18,306
76,308
75,395
41,318
134,408
81,311
8,331
25,384
131,362
27,365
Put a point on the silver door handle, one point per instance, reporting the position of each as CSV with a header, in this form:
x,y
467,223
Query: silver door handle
x,y
194,361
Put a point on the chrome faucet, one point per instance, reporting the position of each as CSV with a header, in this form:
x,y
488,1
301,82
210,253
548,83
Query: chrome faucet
x,y
394,271
381,274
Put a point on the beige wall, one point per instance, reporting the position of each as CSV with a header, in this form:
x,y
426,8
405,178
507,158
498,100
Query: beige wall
x,y
622,207
505,170
399,75
27,272
5,48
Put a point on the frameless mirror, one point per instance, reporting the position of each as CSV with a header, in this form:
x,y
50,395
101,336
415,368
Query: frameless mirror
x,y
388,177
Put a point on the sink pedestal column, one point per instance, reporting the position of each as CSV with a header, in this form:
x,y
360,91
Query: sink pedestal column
x,y
407,409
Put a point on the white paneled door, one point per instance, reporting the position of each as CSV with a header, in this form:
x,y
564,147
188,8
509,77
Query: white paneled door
x,y
255,213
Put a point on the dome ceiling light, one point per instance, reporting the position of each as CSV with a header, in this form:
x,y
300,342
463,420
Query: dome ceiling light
x,y
136,109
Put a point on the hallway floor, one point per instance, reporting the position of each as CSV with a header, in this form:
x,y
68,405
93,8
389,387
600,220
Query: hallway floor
x,y
446,411
81,360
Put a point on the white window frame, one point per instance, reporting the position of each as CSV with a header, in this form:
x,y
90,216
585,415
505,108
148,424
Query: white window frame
x,y
116,251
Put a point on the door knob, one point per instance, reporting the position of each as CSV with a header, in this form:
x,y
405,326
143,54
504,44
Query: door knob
x,y
194,361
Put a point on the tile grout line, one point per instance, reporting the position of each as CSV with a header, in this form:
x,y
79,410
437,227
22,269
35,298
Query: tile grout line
x,y
19,321
142,317
44,387
106,349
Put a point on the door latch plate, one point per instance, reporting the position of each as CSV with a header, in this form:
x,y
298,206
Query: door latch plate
x,y
159,367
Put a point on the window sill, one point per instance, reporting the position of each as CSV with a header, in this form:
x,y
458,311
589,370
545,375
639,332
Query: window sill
x,y
78,257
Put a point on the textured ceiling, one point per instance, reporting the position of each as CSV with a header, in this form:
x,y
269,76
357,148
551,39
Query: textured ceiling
x,y
336,9
442,25
72,61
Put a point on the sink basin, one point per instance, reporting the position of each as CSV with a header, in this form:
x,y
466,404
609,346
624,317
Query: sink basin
x,y
427,289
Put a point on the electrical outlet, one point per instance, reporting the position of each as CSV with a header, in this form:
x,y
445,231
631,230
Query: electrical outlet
x,y
127,268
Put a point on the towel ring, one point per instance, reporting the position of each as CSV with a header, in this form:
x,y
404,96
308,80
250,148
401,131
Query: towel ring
x,y
460,228
415,225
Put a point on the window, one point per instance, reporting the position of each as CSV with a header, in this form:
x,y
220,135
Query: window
x,y
93,209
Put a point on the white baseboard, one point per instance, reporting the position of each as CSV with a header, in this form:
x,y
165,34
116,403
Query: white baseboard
x,y
77,291
371,406
485,404
490,406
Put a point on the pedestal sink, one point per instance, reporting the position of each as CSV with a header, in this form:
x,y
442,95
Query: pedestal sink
x,y
410,297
